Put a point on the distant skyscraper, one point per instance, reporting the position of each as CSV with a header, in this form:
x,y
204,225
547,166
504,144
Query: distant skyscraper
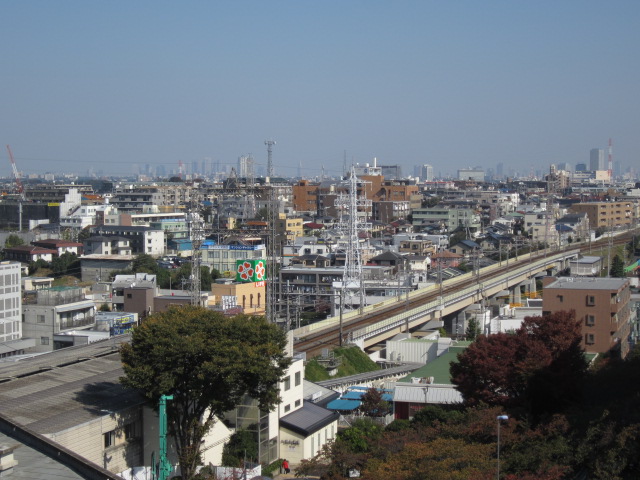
x,y
246,166
581,167
427,173
500,170
475,174
596,159
565,166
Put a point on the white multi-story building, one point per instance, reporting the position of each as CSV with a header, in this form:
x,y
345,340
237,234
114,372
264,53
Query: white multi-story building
x,y
10,310
427,173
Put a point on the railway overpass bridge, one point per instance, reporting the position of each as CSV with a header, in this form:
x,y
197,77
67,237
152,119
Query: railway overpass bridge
x,y
433,303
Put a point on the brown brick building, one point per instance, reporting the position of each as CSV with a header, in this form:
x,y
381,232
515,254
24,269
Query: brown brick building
x,y
601,304
319,199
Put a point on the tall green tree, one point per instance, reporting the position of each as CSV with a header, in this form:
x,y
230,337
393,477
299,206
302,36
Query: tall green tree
x,y
617,267
13,240
144,263
208,362
473,329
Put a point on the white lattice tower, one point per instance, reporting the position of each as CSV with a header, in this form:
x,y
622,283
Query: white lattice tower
x,y
272,254
353,210
196,233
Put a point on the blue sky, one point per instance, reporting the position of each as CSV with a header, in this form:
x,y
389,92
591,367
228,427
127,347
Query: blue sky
x,y
109,84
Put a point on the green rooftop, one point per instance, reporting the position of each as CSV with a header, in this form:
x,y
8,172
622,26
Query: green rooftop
x,y
438,368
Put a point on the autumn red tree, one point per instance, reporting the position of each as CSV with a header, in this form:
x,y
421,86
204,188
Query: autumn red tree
x,y
540,367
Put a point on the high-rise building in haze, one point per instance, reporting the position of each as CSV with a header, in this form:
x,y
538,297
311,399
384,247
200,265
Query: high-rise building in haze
x,y
581,167
427,173
596,159
246,166
500,170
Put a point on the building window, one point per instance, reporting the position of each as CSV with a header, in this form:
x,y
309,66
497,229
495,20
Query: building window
x,y
287,383
297,403
44,340
591,300
130,431
287,408
40,318
560,298
298,378
590,339
591,320
109,438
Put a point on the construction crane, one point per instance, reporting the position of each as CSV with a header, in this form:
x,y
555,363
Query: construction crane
x,y
19,187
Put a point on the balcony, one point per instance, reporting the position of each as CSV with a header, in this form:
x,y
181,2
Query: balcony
x,y
70,324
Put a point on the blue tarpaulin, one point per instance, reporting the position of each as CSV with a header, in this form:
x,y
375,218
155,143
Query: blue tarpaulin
x,y
343,405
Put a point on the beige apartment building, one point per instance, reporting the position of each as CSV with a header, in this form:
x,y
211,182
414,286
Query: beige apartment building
x,y
608,214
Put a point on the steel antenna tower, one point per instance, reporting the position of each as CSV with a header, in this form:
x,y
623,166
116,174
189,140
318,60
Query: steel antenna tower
x,y
610,163
196,233
269,144
353,211
272,253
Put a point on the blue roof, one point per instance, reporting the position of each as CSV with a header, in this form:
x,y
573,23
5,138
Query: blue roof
x,y
341,404
350,395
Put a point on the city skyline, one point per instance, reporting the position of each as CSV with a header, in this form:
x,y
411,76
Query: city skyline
x,y
105,86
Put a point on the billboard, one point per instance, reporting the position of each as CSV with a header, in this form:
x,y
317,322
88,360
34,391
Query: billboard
x,y
250,270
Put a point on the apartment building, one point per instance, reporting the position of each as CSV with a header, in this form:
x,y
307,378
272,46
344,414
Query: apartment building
x,y
601,304
51,315
608,214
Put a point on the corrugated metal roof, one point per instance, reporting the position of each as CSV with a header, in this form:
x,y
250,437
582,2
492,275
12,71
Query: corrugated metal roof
x,y
427,393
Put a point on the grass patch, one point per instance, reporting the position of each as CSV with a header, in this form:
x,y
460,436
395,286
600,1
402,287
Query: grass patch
x,y
354,361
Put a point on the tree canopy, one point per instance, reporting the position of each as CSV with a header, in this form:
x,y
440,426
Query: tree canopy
x,y
13,240
539,368
617,267
208,362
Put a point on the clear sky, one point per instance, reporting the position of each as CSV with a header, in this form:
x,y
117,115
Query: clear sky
x,y
109,84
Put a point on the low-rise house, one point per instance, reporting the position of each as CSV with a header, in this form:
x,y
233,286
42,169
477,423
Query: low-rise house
x,y
107,245
445,259
587,266
29,253
465,248
61,246
398,262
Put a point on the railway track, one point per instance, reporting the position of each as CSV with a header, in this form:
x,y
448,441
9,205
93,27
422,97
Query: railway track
x,y
312,344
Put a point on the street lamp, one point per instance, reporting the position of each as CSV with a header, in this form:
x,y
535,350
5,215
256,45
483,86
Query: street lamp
x,y
499,419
